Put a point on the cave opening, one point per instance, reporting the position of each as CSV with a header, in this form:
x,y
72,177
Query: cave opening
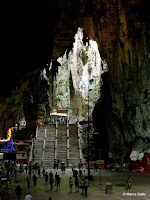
x,y
77,84
79,69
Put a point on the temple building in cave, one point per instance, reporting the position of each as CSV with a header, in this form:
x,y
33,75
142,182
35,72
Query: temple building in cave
x,y
91,58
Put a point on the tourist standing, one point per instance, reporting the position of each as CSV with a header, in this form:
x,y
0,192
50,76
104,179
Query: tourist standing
x,y
34,179
82,184
28,197
129,182
58,182
76,184
51,181
28,181
56,178
86,184
18,191
50,174
46,178
70,185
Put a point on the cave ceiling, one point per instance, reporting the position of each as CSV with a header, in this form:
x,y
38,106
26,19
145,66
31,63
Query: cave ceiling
x,y
43,30
35,34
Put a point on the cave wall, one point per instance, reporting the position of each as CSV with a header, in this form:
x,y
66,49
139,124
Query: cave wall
x,y
30,99
11,109
36,101
121,29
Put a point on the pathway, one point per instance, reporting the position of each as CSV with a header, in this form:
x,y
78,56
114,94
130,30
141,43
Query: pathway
x,y
42,191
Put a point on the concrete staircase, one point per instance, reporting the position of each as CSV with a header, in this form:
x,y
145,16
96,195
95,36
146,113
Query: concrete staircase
x,y
38,145
49,151
62,143
74,155
60,152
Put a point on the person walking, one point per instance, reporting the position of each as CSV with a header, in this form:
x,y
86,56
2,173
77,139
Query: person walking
x,y
76,184
70,185
51,181
34,179
28,197
129,182
46,178
58,182
28,181
18,191
86,184
82,184
50,174
56,178
80,173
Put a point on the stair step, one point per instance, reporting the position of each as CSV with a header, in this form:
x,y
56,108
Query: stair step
x,y
61,144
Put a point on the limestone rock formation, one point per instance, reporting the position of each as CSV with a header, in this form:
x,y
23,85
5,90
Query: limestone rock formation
x,y
79,72
29,99
122,32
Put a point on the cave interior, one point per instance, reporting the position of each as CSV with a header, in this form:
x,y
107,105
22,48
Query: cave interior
x,y
38,35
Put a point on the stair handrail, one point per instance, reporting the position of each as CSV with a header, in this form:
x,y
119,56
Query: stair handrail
x,y
79,141
45,133
44,144
36,133
32,149
67,142
56,140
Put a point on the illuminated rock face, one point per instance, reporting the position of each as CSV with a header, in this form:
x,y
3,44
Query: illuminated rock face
x,y
82,64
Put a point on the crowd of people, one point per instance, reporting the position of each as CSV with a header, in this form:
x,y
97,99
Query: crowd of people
x,y
7,170
78,182
82,184
53,179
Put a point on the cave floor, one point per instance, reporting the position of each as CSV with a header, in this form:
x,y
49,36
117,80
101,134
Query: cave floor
x,y
140,186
